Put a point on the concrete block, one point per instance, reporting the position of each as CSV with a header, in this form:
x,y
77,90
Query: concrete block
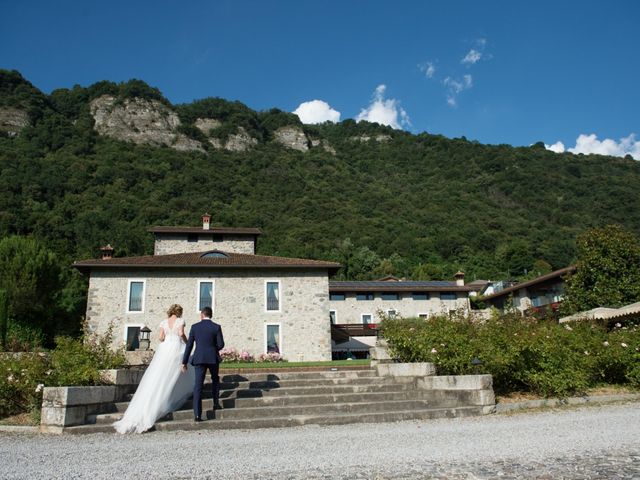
x,y
379,353
122,376
457,382
405,369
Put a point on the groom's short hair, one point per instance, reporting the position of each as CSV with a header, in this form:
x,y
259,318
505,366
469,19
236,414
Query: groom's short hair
x,y
207,312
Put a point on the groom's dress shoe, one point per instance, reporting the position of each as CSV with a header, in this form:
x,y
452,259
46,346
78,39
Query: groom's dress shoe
x,y
197,419
217,406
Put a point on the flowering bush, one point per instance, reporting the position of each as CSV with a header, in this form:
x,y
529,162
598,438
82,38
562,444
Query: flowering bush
x,y
230,354
72,362
522,354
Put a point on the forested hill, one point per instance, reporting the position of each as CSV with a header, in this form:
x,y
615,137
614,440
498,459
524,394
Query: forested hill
x,y
85,166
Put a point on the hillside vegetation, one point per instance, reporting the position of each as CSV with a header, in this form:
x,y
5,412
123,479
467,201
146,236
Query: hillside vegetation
x,y
420,206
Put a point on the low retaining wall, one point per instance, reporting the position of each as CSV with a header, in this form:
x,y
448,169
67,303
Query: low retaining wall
x,y
67,406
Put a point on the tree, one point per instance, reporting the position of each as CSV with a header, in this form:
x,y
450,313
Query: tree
x,y
30,276
608,270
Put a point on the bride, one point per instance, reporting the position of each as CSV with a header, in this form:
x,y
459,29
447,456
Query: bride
x,y
163,387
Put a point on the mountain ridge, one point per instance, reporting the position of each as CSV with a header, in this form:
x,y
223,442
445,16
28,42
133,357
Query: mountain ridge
x,y
376,199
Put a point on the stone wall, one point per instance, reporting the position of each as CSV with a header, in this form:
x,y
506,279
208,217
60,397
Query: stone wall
x,y
350,309
239,306
169,243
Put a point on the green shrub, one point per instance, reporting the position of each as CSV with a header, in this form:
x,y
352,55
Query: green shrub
x,y
522,354
74,361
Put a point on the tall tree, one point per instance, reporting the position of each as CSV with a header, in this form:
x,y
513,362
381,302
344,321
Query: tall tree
x,y
608,270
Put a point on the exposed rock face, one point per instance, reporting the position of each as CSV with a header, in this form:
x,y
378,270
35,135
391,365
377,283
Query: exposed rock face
x,y
12,120
377,138
325,145
205,125
140,120
240,141
292,137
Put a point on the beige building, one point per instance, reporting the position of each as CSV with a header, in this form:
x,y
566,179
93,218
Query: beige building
x,y
264,304
355,308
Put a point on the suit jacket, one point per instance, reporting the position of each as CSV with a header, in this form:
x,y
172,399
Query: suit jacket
x,y
207,336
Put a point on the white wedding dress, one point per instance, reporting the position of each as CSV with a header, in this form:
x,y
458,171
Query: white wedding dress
x,y
163,387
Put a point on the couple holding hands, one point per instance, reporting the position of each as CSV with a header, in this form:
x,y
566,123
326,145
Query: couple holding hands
x,y
170,378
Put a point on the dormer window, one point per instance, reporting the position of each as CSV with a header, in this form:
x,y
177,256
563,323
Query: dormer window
x,y
215,255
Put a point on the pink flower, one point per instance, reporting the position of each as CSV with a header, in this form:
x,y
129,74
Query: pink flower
x,y
605,343
433,350
624,345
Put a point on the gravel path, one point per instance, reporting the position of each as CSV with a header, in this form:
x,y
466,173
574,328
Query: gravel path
x,y
592,442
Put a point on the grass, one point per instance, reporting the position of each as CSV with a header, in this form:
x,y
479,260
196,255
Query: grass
x,y
335,363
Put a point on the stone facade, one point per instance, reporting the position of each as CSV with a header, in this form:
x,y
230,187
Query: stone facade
x,y
239,306
350,310
12,120
169,243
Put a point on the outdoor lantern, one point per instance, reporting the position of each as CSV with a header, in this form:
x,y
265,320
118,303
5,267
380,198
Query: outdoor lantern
x,y
144,338
476,364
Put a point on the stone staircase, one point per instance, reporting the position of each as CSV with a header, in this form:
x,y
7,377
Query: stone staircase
x,y
290,398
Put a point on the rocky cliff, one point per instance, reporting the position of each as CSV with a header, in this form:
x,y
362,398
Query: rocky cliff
x,y
12,120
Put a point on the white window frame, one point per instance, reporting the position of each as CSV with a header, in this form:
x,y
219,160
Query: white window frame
x,y
335,316
126,328
264,343
213,293
362,318
266,300
395,313
144,294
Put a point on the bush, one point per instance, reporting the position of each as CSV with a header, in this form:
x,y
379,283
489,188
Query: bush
x,y
230,354
73,362
522,354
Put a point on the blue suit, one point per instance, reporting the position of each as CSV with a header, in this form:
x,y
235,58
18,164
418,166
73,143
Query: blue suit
x,y
207,336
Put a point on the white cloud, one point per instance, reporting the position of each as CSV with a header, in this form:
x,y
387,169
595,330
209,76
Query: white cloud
x,y
428,68
557,147
316,111
590,144
455,86
384,111
473,56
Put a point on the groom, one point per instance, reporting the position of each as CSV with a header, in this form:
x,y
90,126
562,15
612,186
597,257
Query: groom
x,y
208,338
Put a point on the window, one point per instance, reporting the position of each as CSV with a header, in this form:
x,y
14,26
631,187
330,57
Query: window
x,y
391,314
214,255
448,296
367,318
135,302
420,295
332,316
192,237
423,315
364,296
205,295
273,296
273,343
390,296
336,296
132,337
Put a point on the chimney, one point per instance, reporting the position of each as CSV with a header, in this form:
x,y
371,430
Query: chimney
x,y
206,219
459,276
107,252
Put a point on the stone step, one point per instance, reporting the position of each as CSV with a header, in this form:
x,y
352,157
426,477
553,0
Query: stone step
x,y
300,391
297,420
436,398
294,375
307,382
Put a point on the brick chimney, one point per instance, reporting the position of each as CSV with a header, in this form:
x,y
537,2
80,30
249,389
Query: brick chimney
x,y
459,276
206,221
107,252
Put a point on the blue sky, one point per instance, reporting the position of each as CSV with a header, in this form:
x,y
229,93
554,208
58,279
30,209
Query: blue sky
x,y
496,71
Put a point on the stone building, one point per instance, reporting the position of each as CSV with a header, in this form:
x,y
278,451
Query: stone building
x,y
355,308
264,304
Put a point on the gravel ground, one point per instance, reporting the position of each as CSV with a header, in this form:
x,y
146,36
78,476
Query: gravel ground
x,y
592,442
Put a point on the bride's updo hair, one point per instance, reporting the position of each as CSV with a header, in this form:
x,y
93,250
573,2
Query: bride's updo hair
x,y
175,309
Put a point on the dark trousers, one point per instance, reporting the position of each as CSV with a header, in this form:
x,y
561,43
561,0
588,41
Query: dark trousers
x,y
201,372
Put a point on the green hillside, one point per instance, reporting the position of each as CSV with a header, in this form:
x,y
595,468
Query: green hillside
x,y
421,206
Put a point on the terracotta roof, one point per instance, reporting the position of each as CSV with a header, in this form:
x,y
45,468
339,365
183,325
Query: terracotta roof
x,y
212,230
397,286
531,283
199,260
